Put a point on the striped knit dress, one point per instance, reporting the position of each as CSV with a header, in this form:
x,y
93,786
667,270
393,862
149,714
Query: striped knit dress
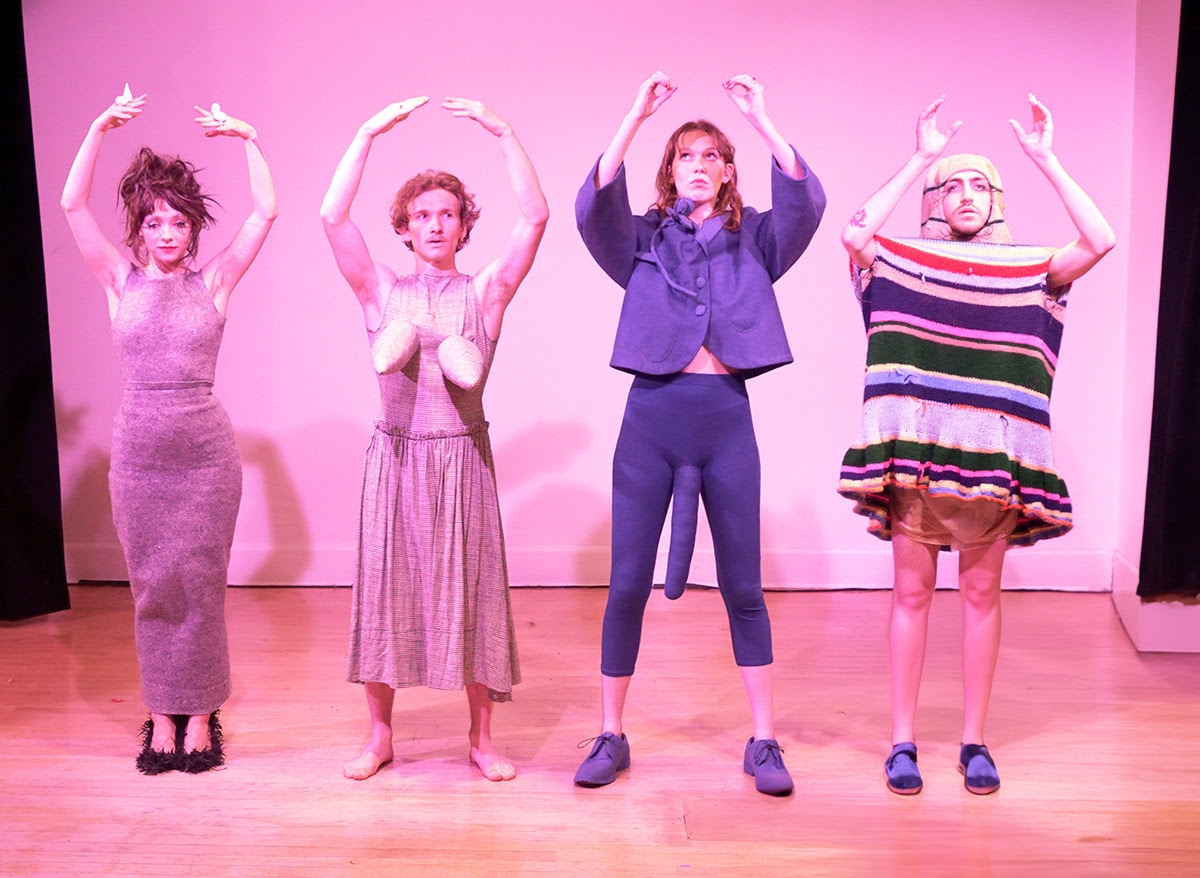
x,y
962,344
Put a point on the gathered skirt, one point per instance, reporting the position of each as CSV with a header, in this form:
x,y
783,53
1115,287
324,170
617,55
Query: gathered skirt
x,y
431,604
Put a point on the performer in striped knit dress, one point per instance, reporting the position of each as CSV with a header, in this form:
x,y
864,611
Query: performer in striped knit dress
x,y
963,332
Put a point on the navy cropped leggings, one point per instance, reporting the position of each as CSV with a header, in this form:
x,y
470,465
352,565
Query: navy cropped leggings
x,y
701,421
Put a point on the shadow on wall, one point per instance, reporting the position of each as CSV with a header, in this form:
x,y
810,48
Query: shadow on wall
x,y
559,528
88,531
289,539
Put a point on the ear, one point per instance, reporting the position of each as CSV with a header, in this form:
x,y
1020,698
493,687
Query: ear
x,y
727,173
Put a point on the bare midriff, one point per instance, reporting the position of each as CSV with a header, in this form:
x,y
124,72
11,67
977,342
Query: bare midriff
x,y
706,363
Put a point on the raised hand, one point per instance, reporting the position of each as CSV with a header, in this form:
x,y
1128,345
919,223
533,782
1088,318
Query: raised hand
x,y
468,109
746,92
1038,143
217,123
123,108
652,94
931,142
386,119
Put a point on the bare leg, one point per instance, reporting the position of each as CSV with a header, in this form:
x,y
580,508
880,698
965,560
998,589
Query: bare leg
x,y
163,738
484,754
912,594
378,751
195,736
757,681
612,702
979,571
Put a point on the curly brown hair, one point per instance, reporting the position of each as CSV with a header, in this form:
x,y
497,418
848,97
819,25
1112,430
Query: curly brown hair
x,y
152,178
728,197
468,213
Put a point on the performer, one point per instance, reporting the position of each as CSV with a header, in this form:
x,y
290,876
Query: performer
x,y
431,605
175,479
955,449
698,319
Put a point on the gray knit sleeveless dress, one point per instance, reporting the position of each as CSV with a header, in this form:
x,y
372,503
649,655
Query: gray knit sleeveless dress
x,y
430,604
176,482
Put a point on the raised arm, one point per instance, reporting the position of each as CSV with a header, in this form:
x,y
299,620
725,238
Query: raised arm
x,y
366,277
746,92
1095,234
101,255
651,95
858,237
223,271
498,282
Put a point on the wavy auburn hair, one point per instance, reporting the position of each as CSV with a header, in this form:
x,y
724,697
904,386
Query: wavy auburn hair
x,y
152,178
468,213
728,197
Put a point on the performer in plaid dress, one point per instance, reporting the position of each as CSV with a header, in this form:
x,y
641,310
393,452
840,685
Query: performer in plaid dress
x,y
431,604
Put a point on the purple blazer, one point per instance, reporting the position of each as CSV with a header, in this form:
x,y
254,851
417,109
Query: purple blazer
x,y
687,286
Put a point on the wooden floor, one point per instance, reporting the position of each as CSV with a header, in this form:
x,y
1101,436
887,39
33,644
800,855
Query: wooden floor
x,y
1097,747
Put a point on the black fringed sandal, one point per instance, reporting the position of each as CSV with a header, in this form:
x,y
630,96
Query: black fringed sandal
x,y
212,756
151,761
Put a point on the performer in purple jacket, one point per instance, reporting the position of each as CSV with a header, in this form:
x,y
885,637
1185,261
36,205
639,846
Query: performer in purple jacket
x,y
699,318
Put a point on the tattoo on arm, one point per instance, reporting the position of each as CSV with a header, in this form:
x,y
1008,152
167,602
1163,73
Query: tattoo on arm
x,y
859,220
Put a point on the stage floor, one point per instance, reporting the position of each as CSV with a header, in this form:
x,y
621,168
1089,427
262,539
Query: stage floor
x,y
1096,746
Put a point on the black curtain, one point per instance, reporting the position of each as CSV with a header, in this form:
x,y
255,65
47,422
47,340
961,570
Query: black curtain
x,y
33,578
1170,563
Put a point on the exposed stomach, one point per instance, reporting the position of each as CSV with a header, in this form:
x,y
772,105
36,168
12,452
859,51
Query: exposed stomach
x,y
706,363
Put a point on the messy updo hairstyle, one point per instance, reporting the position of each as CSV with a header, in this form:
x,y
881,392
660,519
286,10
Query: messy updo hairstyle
x,y
153,178
468,213
728,198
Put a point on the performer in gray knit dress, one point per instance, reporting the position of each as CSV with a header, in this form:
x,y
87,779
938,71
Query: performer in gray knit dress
x,y
175,478
430,605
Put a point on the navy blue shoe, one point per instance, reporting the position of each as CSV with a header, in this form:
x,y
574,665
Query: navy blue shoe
x,y
903,776
978,770
763,761
609,755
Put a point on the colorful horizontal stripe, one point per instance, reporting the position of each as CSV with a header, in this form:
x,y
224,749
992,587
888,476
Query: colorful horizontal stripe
x,y
962,344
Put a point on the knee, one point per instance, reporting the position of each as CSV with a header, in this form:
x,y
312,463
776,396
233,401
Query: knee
x,y
980,593
912,596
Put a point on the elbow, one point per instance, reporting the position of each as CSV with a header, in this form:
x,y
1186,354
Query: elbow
x,y
853,238
330,217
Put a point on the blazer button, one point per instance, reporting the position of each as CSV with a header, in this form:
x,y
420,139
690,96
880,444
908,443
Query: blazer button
x,y
701,281
700,309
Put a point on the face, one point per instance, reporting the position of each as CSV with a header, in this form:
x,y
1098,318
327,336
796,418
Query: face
x,y
166,234
698,169
434,226
967,202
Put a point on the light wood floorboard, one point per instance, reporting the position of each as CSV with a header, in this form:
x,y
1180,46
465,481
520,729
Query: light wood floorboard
x,y
1096,746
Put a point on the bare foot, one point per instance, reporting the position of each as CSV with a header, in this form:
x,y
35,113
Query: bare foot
x,y
368,762
163,738
195,737
491,764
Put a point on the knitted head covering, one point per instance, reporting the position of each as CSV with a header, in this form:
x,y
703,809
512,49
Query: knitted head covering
x,y
933,222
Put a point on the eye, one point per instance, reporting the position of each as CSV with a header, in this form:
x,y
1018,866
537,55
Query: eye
x,y
982,186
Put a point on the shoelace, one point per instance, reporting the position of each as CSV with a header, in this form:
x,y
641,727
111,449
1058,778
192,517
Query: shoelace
x,y
768,752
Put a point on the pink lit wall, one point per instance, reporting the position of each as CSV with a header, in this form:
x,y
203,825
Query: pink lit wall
x,y
844,83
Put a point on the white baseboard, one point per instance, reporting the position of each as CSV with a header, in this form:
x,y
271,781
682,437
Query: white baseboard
x,y
1153,626
1025,569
